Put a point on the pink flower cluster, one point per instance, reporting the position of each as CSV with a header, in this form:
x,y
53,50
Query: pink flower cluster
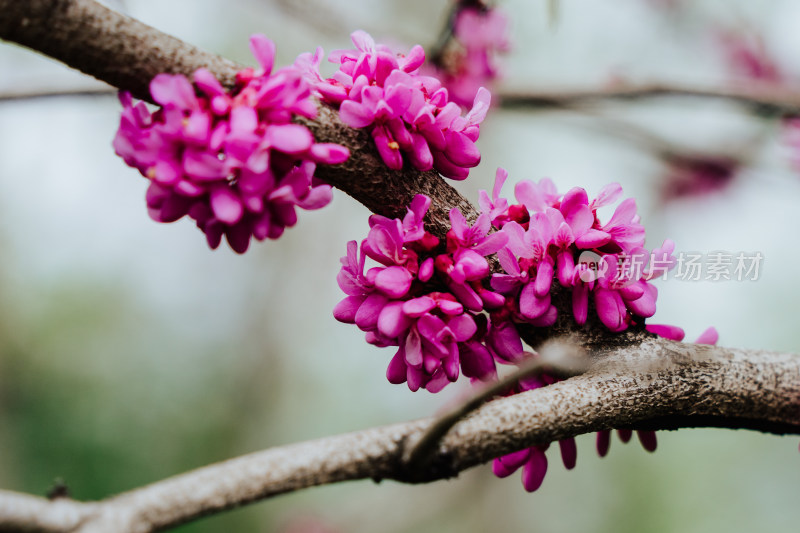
x,y
429,302
408,115
447,313
481,34
231,160
554,237
424,300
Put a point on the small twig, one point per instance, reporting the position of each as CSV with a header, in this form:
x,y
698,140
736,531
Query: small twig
x,y
670,153
762,97
435,53
553,12
558,357
627,130
51,92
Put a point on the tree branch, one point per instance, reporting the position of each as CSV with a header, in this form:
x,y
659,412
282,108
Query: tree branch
x,y
640,386
93,89
558,357
103,43
760,96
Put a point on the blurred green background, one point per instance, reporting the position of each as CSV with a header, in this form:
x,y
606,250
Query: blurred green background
x,y
130,352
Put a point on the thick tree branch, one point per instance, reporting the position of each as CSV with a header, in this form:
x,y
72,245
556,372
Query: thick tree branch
x,y
632,386
21,512
105,44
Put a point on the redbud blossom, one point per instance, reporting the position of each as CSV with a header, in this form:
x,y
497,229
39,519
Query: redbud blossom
x,y
231,160
409,116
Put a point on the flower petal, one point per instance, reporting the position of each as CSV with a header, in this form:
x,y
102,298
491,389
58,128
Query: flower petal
x,y
394,281
534,470
226,205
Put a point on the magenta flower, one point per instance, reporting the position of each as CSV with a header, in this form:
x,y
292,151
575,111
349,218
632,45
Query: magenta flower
x,y
617,297
403,302
503,340
624,227
537,197
699,175
465,265
368,294
709,336
476,238
646,438
354,283
471,62
533,462
408,115
232,161
551,238
529,274
495,207
430,330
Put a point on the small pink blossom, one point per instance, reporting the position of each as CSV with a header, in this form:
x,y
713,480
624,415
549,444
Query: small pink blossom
x,y
495,207
749,58
699,175
471,62
429,331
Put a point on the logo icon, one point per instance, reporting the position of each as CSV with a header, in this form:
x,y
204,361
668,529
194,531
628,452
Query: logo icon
x,y
590,266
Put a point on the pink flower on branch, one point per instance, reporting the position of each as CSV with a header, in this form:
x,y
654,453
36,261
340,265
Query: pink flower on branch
x,y
561,238
231,160
424,300
539,242
448,313
408,115
748,57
